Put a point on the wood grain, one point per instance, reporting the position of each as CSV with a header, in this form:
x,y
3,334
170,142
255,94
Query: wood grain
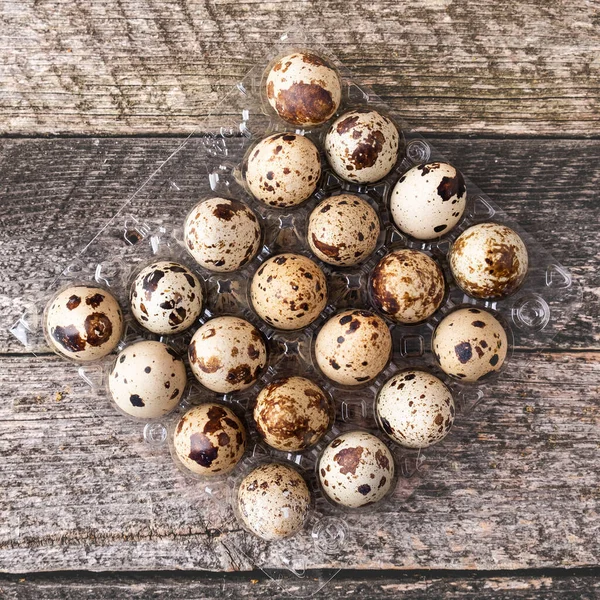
x,y
149,67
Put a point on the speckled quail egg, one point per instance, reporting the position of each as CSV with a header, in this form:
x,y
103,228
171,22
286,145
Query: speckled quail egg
x,y
147,380
429,200
273,501
304,89
356,469
289,291
415,409
353,347
407,286
362,146
227,354
83,323
283,170
166,297
469,343
292,414
209,439
489,261
343,230
222,235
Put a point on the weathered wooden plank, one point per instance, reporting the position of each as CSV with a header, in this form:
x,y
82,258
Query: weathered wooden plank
x,y
518,486
143,66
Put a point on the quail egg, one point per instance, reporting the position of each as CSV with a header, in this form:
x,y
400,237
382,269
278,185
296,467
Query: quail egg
x,y
222,235
289,291
283,170
292,414
470,343
407,286
166,298
353,347
415,409
356,469
83,323
304,89
362,146
489,261
227,354
343,230
147,380
429,200
209,439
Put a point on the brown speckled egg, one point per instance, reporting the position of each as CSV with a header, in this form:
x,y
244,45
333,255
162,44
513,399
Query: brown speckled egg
x,y
83,323
289,291
356,469
304,89
489,261
273,501
283,170
429,200
209,439
147,380
292,414
227,354
469,343
353,347
343,230
415,409
166,298
407,286
222,235
362,146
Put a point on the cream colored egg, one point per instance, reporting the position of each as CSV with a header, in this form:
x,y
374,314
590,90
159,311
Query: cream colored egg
x,y
209,439
343,230
227,354
489,261
147,380
222,235
415,409
303,89
83,323
429,200
289,291
283,170
470,343
362,146
353,347
273,501
356,469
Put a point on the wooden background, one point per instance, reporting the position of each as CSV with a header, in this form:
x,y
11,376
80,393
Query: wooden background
x,y
92,99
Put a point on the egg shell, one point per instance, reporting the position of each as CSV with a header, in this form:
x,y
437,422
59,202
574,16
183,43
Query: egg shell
x,y
407,286
166,298
470,343
227,354
343,230
362,146
209,439
222,235
283,170
429,200
83,323
356,469
415,409
292,414
273,501
289,291
353,347
303,89
147,380
489,260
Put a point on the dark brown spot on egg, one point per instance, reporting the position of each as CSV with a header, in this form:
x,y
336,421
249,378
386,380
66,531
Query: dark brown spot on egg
x,y
312,59
150,282
95,300
240,374
347,124
174,394
451,186
494,360
382,482
464,352
147,370
327,249
73,302
440,228
427,168
354,325
304,103
177,316
366,153
439,419
382,459
334,364
345,319
480,324
223,439
209,365
98,329
202,450
349,459
68,337
136,401
253,352
364,489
